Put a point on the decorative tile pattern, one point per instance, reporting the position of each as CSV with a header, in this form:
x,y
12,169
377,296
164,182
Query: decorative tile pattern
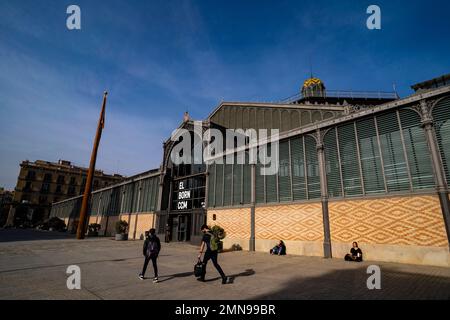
x,y
413,220
144,223
236,222
302,222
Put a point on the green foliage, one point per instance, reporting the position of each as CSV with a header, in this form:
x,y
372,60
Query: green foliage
x,y
94,227
218,232
121,227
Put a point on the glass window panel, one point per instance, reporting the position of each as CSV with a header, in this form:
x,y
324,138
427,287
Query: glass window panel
x,y
370,156
349,160
284,173
298,169
395,168
332,164
312,168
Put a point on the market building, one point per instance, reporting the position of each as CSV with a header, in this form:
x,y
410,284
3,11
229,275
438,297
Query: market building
x,y
352,166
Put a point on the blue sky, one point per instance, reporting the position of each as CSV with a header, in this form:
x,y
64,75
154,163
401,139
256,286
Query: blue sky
x,y
160,58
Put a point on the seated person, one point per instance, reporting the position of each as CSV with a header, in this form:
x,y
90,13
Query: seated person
x,y
279,249
355,254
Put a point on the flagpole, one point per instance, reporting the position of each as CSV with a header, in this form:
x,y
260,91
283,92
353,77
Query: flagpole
x,y
81,230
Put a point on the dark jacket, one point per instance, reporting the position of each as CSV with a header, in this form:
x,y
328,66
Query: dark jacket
x,y
147,242
356,254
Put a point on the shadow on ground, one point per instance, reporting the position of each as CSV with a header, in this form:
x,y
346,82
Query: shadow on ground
x,y
232,277
352,284
13,235
246,273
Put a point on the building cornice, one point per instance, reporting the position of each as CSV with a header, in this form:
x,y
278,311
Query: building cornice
x,y
329,107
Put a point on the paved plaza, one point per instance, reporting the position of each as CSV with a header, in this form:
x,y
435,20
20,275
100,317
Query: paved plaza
x,y
33,265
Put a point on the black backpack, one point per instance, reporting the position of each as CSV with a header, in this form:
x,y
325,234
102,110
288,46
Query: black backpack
x,y
152,248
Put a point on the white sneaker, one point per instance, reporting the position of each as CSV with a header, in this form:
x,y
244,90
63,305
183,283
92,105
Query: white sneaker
x,y
141,277
155,280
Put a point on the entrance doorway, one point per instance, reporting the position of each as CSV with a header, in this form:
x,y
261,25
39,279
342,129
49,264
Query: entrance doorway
x,y
180,226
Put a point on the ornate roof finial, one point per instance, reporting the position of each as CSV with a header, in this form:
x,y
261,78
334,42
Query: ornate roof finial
x,y
186,117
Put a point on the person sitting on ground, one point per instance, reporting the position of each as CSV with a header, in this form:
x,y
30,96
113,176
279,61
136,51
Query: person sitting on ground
x,y
279,249
355,254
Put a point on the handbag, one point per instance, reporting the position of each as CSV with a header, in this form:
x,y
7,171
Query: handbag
x,y
198,269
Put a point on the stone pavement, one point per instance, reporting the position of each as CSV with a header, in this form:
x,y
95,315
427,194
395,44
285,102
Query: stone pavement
x,y
33,266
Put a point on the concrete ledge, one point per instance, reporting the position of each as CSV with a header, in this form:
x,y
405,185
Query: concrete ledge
x,y
243,243
430,256
301,248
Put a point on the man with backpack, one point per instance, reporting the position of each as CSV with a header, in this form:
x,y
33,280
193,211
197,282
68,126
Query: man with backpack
x,y
151,249
211,242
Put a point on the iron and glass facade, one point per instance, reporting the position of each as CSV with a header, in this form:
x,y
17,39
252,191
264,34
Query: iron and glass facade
x,y
369,169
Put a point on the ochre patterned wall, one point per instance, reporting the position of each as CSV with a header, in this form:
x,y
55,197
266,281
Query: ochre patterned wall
x,y
414,220
236,222
302,222
144,223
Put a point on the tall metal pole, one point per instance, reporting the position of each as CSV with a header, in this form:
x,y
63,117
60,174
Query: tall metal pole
x,y
87,190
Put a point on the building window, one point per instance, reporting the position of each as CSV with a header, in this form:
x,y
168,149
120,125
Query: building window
x,y
441,116
72,181
45,188
83,186
395,167
237,182
349,160
28,187
71,191
247,180
271,182
31,175
211,186
417,151
332,164
298,169
60,179
284,173
260,183
228,169
48,177
58,189
370,156
219,185
312,163
42,200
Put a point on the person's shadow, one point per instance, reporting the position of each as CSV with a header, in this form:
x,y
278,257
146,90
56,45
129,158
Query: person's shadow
x,y
231,278
176,275
246,273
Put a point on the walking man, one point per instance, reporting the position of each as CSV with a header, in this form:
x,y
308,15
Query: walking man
x,y
210,253
151,249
